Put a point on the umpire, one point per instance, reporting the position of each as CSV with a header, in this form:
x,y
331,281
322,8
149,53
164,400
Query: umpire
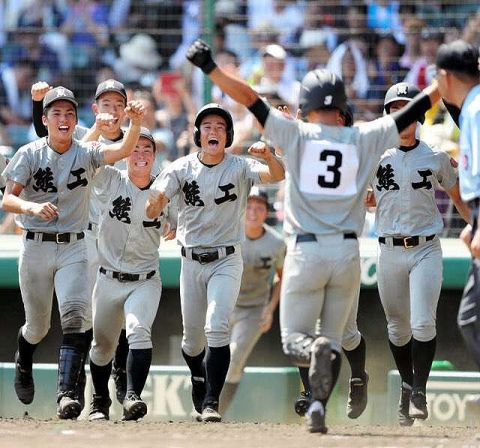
x,y
458,78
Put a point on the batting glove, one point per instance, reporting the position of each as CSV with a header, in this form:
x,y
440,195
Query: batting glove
x,y
200,54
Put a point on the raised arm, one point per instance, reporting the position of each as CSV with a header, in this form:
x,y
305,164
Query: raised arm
x,y
274,171
118,151
38,91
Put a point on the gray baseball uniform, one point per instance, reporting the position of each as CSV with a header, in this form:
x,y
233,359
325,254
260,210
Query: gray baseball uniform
x,y
328,171
3,164
262,257
127,245
63,180
404,188
211,210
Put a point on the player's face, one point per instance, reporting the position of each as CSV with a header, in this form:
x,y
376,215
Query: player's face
x,y
330,117
213,135
142,158
256,212
409,131
112,103
61,120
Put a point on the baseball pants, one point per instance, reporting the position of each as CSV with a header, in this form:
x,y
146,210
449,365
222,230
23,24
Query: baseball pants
x,y
208,293
409,284
43,268
321,280
244,334
93,266
115,302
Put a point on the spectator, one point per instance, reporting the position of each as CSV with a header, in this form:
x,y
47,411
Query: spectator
x,y
15,98
411,53
315,51
429,43
322,17
139,60
384,16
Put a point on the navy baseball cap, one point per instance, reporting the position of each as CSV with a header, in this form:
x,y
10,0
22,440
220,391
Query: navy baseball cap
x,y
57,94
458,56
111,85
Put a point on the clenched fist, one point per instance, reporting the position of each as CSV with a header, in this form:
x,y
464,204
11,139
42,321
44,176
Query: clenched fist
x,y
260,150
39,90
200,55
135,112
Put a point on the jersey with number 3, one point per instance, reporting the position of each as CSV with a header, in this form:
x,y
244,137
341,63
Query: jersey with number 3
x,y
328,169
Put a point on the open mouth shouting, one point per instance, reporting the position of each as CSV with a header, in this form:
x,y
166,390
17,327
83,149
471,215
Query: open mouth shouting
x,y
213,143
63,129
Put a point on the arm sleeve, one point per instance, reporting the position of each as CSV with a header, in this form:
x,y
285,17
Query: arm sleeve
x,y
167,181
379,135
446,176
3,164
253,169
412,112
95,151
37,112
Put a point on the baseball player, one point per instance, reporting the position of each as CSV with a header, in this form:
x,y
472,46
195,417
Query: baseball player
x,y
213,187
128,285
263,252
52,176
458,80
328,166
407,221
109,108
354,348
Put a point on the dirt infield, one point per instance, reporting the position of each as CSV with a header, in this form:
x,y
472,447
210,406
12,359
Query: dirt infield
x,y
23,433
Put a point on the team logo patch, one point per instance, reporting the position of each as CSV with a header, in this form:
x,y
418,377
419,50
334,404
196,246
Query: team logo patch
x,y
328,100
402,90
60,92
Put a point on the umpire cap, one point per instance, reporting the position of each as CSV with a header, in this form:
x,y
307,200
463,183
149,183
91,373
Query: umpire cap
x,y
213,109
322,89
57,94
402,91
459,56
111,85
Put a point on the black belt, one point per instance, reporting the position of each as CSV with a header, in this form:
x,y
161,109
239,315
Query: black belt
x,y
407,241
59,238
208,257
124,277
308,237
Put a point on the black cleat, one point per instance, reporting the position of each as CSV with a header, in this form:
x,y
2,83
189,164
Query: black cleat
x,y
302,403
315,418
418,405
134,408
357,397
99,408
68,408
210,413
199,390
120,378
404,418
24,385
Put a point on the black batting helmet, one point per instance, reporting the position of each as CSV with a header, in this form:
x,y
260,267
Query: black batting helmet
x,y
322,89
402,91
213,109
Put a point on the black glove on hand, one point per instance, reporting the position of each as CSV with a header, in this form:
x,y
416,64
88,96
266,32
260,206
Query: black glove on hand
x,y
200,54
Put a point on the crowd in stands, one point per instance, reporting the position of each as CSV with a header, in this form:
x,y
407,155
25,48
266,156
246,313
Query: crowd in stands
x,y
371,44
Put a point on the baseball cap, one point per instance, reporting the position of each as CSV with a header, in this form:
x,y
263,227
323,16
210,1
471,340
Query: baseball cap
x,y
261,195
275,51
110,85
145,132
458,56
57,94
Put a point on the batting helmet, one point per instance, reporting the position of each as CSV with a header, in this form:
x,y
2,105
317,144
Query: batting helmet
x,y
403,91
322,89
213,109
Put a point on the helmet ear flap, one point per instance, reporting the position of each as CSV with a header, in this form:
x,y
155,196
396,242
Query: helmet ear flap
x,y
196,136
229,138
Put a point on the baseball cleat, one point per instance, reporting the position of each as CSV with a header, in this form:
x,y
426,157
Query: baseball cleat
x,y
199,390
210,413
404,418
134,407
302,403
357,397
315,418
99,408
68,408
24,385
418,405
120,379
320,372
